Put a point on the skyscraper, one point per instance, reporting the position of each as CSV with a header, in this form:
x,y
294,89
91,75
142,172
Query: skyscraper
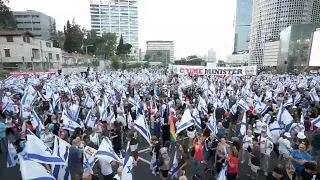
x,y
117,16
242,25
270,17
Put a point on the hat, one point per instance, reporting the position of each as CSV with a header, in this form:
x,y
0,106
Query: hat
x,y
301,135
287,135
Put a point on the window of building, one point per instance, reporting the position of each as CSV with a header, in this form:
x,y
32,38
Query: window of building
x,y
37,29
7,53
58,57
26,39
48,45
50,56
9,38
35,16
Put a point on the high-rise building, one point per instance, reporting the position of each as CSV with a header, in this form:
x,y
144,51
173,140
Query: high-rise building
x,y
166,46
117,16
270,17
212,56
242,25
39,24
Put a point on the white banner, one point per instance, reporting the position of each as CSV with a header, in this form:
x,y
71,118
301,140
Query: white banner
x,y
202,70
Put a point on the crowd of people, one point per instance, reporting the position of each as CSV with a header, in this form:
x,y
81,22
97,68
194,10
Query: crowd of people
x,y
101,116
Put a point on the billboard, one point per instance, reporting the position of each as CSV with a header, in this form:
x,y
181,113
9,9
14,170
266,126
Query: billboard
x,y
315,49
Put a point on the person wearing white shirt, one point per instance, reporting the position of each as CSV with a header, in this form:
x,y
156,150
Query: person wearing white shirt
x,y
47,138
106,168
247,141
257,128
266,146
285,146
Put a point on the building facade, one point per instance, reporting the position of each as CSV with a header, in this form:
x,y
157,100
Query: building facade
x,y
271,53
212,56
242,25
167,46
238,59
295,47
117,16
21,50
39,24
270,17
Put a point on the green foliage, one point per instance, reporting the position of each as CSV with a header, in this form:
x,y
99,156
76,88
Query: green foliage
x,y
134,66
60,39
53,35
191,61
7,20
4,73
90,41
106,45
146,65
115,62
147,57
123,48
95,63
73,37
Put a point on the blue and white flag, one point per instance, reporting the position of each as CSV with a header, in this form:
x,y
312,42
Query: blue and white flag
x,y
313,95
89,158
211,124
106,151
316,122
234,109
88,102
36,122
12,159
223,173
32,170
243,127
186,121
196,118
75,109
289,102
61,148
243,104
141,126
284,118
68,123
297,99
302,128
175,167
38,151
90,120
266,118
260,107
127,165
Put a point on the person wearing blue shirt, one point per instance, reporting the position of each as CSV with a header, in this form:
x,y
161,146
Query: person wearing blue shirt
x,y
299,157
3,128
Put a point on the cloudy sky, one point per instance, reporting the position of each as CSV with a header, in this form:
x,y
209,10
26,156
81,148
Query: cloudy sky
x,y
195,26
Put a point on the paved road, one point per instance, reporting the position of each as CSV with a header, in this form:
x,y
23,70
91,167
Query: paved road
x,y
142,171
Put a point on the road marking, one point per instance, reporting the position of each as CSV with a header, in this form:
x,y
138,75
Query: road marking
x,y
144,160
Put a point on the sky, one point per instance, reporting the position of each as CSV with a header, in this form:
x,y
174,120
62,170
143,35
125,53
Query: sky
x,y
195,26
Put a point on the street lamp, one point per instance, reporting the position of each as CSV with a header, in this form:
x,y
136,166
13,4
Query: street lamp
x,y
87,48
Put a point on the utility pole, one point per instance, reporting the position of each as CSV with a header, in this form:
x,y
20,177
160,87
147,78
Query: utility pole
x,y
87,48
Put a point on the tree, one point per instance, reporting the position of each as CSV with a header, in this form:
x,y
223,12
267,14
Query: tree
x,y
123,49
53,35
146,65
74,37
115,62
106,45
60,39
147,57
89,43
7,20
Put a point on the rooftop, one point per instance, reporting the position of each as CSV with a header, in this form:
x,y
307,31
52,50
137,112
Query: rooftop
x,y
15,33
160,41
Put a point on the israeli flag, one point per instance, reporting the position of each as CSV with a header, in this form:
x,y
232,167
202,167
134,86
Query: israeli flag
x,y
297,99
36,122
289,102
243,126
223,173
106,151
89,158
196,118
37,151
75,109
56,102
284,118
211,124
175,167
12,158
234,109
260,107
90,120
243,104
316,122
141,126
32,170
68,123
266,118
313,95
127,165
130,120
186,121
88,102
61,148
226,104
112,117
